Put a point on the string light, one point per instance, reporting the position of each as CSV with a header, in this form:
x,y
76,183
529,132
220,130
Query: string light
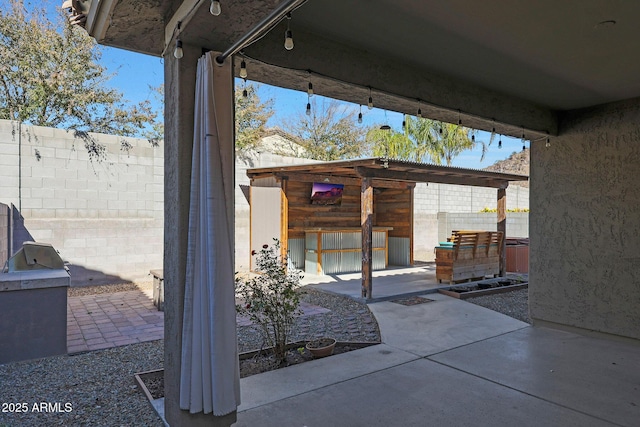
x,y
178,52
523,142
500,142
459,119
215,8
243,69
310,89
308,106
245,93
548,143
473,138
419,114
360,115
288,35
370,103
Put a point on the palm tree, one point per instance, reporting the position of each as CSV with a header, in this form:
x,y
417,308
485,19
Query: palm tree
x,y
424,140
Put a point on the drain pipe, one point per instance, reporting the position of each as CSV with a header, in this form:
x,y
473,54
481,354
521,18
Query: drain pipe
x,y
20,166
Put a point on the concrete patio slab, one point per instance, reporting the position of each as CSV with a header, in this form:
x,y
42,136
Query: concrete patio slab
x,y
273,386
597,377
445,323
418,393
386,283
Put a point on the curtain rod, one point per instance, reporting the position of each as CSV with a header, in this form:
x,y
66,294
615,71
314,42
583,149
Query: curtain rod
x,y
266,24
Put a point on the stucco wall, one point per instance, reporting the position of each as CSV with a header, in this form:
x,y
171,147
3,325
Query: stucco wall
x,y
585,225
104,217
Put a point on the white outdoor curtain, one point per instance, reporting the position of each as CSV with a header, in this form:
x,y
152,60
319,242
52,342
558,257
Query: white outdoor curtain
x,y
209,375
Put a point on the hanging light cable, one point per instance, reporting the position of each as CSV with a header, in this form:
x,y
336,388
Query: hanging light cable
x,y
308,112
500,142
288,35
245,93
360,115
419,113
370,103
215,8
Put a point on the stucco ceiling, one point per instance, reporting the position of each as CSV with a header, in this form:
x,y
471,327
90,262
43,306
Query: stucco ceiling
x,y
509,62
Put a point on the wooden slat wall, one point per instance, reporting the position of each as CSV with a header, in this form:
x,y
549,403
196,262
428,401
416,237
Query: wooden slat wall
x,y
392,208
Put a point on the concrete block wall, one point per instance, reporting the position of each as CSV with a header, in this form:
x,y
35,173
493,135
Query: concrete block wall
x,y
104,216
433,202
517,223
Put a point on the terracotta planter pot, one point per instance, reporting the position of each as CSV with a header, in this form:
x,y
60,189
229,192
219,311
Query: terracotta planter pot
x,y
321,347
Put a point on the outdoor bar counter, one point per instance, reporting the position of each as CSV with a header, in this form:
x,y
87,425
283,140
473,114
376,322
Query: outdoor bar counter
x,y
331,250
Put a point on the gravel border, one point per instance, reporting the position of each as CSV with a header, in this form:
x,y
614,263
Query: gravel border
x,y
514,303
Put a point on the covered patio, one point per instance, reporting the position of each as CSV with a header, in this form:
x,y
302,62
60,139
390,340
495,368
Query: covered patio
x,y
378,196
559,75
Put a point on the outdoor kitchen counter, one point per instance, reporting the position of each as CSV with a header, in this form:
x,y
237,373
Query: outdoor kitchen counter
x,y
331,250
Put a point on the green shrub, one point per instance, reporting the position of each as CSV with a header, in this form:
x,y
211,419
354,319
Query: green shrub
x,y
269,298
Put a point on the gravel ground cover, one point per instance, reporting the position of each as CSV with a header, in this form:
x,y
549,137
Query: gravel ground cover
x,y
97,388
514,303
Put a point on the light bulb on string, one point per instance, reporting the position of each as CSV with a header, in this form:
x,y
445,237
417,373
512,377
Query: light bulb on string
x,y
178,52
548,143
243,69
459,119
215,8
245,93
370,103
310,89
308,112
360,115
473,138
523,140
500,142
385,126
419,113
288,35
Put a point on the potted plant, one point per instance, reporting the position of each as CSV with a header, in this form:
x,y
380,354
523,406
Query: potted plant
x,y
321,347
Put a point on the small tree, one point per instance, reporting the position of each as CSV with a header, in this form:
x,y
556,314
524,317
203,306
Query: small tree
x,y
270,299
329,132
50,76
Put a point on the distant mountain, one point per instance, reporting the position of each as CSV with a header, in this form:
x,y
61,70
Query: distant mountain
x,y
517,163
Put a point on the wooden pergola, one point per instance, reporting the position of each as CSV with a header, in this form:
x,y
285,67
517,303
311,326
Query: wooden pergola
x,y
387,173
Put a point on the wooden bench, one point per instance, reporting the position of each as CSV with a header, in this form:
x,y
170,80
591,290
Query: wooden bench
x,y
469,255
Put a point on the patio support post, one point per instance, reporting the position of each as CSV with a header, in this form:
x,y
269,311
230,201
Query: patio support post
x,y
502,226
366,221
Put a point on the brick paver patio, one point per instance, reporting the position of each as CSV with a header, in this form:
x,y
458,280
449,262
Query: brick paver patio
x,y
101,321
109,320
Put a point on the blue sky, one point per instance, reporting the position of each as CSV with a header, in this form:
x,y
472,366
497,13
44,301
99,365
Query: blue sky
x,y
134,73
